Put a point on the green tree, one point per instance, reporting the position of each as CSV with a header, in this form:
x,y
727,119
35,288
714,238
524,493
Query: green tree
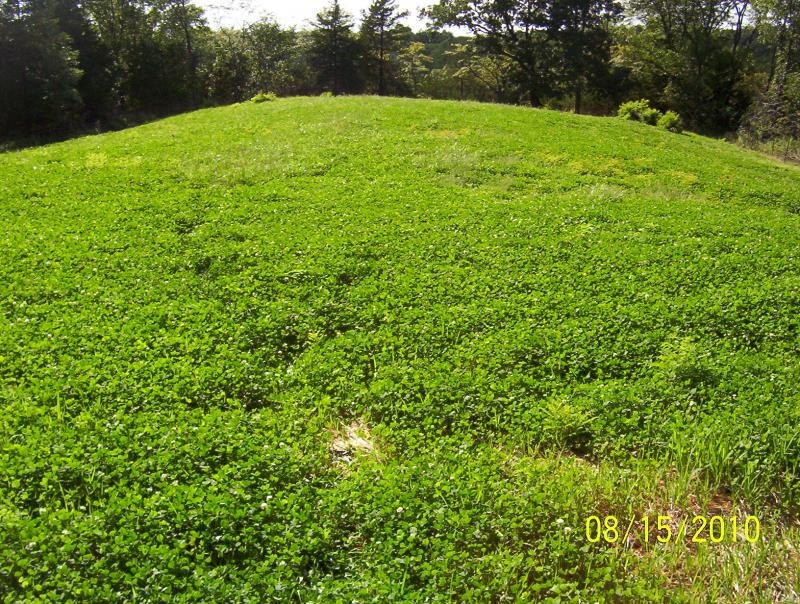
x,y
780,21
774,118
334,51
39,71
514,29
492,72
414,65
381,34
155,67
227,68
273,53
94,61
694,55
180,23
582,32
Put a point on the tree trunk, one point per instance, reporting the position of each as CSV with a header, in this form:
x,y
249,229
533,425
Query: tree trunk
x,y
533,97
578,95
776,51
190,52
336,66
381,81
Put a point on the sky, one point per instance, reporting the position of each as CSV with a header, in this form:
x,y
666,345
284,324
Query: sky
x,y
296,13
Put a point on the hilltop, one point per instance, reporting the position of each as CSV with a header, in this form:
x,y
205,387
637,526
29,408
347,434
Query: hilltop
x,y
342,349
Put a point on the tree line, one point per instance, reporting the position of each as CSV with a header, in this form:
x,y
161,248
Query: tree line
x,y
725,65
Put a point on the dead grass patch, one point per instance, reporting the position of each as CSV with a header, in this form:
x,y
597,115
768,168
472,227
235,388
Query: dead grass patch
x,y
351,442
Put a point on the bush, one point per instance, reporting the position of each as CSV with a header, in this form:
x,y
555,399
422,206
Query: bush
x,y
263,97
639,111
671,121
651,116
632,110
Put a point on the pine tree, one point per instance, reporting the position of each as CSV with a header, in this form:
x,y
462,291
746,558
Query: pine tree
x,y
334,50
380,36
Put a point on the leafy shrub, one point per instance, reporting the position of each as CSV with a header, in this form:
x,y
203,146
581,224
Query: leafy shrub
x,y
671,121
639,111
632,110
263,97
651,116
327,94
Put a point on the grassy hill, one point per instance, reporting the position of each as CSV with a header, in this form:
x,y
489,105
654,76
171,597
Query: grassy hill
x,y
361,349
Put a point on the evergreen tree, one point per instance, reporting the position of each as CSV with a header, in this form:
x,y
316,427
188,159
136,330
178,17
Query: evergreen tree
x,y
334,51
380,37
